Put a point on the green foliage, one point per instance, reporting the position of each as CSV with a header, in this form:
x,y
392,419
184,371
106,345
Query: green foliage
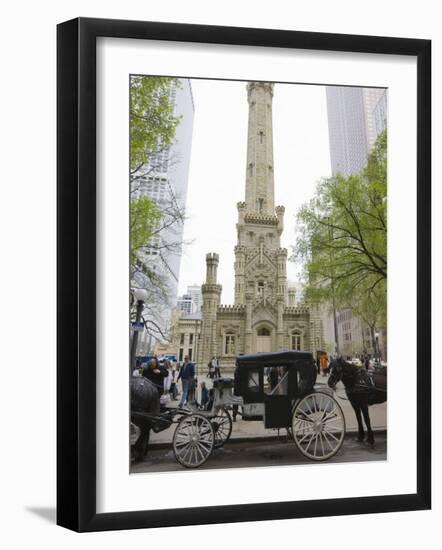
x,y
153,224
342,241
144,220
152,122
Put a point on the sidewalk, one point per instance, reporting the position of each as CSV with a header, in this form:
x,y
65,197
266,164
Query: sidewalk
x,y
251,430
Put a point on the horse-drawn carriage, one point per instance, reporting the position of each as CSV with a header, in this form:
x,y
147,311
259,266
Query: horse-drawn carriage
x,y
277,389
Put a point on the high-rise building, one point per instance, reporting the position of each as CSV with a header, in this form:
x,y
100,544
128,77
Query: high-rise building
x,y
191,301
165,180
186,304
355,118
194,291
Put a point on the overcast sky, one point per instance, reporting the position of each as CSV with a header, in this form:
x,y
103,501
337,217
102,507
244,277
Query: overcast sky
x,y
218,167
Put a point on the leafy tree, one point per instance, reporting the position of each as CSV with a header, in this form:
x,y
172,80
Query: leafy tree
x,y
144,220
371,308
152,122
153,223
342,241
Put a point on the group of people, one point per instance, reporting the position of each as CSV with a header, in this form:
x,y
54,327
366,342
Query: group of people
x,y
214,368
161,373
323,362
164,376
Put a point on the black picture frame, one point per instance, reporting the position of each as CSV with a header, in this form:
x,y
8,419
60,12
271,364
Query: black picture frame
x,y
76,273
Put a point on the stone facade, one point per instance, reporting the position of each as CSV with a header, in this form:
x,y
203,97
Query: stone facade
x,y
264,316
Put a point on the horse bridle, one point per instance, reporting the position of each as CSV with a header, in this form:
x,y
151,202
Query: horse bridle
x,y
333,376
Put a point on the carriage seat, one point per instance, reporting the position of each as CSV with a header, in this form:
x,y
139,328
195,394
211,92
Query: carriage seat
x,y
223,383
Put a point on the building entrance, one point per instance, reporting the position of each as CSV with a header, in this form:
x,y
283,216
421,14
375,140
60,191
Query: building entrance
x,y
263,340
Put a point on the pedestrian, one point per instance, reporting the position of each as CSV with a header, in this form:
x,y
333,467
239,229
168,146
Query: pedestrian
x,y
187,376
167,382
156,373
323,364
138,368
210,366
193,383
215,365
367,362
173,385
204,396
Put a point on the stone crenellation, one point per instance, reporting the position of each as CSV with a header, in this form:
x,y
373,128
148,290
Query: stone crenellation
x,y
211,287
296,310
281,252
231,309
261,219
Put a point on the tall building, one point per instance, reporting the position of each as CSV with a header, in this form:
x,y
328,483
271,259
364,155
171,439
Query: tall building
x,y
265,315
185,304
355,118
191,301
165,180
194,291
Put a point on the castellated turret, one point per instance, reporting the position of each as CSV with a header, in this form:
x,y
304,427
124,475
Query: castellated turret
x,y
280,215
211,294
212,261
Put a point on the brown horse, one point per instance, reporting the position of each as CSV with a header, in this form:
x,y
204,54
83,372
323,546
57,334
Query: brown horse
x,y
362,389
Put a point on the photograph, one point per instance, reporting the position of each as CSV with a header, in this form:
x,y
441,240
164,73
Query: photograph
x,y
231,233
258,273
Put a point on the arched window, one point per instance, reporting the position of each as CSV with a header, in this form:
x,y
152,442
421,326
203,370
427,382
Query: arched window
x,y
229,344
296,340
263,331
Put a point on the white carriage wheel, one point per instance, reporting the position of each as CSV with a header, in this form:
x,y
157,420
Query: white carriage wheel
x,y
222,426
318,426
193,440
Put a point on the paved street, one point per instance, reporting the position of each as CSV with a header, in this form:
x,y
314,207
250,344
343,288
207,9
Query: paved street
x,y
252,445
262,453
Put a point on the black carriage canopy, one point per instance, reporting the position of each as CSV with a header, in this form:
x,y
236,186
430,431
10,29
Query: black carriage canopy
x,y
300,363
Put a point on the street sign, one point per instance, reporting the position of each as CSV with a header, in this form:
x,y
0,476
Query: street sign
x,y
138,326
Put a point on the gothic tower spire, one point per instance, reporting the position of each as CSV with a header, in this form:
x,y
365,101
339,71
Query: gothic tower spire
x,y
259,175
260,262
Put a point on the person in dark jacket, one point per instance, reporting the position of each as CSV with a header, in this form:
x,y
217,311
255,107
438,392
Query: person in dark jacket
x,y
204,396
156,373
187,375
367,362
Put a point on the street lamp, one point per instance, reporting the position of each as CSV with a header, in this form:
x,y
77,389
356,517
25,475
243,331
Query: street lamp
x,y
138,297
376,337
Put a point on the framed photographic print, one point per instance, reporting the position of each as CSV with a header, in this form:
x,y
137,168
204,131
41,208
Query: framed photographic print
x,y
229,200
